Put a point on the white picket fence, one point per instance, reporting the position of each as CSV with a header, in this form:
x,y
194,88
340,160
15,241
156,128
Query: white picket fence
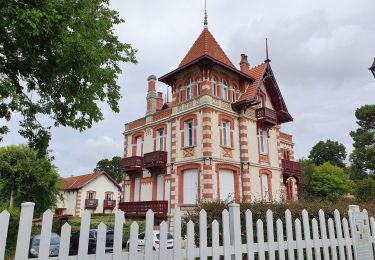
x,y
306,239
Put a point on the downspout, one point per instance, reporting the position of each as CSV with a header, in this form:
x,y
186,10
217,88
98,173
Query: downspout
x,y
170,179
241,163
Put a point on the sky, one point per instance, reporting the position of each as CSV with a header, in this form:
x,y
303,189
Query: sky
x,y
320,52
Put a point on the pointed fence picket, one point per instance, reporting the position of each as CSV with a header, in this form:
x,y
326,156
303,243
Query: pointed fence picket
x,y
303,238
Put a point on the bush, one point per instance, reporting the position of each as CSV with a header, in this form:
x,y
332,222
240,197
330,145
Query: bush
x,y
12,231
365,189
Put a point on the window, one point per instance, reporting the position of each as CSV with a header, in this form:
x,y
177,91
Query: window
x,y
234,95
180,95
137,189
109,195
139,146
190,186
189,133
160,187
225,133
226,185
189,90
91,195
263,143
260,100
160,140
214,87
224,90
265,190
198,88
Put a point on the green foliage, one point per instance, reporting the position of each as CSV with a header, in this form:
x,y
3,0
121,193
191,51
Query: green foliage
x,y
365,189
363,155
328,151
12,230
330,181
307,170
112,167
58,59
29,176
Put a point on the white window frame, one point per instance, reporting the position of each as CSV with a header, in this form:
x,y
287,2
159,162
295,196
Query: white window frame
x,y
198,88
192,196
180,94
137,189
160,187
265,190
139,144
225,133
234,98
189,90
109,195
160,140
189,133
224,90
260,100
214,87
226,185
263,141
90,193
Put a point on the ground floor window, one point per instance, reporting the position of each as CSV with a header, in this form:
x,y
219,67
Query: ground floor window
x,y
160,187
265,187
226,185
137,189
190,188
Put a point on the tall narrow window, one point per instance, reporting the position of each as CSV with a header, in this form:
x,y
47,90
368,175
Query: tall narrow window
x,y
91,195
224,90
225,133
160,187
263,142
199,88
214,87
139,146
109,195
265,189
137,189
260,100
190,186
160,140
180,95
189,133
226,185
189,90
234,98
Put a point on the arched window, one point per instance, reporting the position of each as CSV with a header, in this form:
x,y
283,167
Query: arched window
x,y
224,89
189,90
214,86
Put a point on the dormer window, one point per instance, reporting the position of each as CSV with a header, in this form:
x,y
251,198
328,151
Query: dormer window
x,y
189,90
234,98
224,89
214,87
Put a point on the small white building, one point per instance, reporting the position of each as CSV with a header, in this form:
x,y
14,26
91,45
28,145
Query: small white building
x,y
97,192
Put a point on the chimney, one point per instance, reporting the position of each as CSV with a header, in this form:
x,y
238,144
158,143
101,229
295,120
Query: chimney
x,y
244,64
153,98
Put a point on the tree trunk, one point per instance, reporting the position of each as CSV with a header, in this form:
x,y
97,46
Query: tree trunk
x,y
11,200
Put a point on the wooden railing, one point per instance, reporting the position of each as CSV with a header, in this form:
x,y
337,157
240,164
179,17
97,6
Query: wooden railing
x,y
91,203
266,115
291,166
109,204
140,208
133,163
155,160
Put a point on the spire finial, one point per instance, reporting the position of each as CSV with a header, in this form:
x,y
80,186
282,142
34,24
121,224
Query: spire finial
x,y
267,59
205,14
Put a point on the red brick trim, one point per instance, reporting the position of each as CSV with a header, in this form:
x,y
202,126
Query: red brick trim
x,y
236,171
180,174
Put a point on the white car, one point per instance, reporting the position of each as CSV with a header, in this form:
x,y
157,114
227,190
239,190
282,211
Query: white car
x,y
155,241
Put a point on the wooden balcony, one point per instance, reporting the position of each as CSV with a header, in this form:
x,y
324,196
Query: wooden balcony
x,y
140,208
91,204
266,117
291,169
132,165
109,204
155,161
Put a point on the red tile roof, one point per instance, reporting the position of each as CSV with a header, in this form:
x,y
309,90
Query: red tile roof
x,y
257,73
206,45
77,182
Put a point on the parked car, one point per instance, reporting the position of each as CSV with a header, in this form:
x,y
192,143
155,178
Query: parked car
x,y
53,247
93,233
155,241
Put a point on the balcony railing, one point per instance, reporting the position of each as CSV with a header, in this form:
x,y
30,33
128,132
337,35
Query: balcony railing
x,y
109,204
155,161
132,164
140,208
291,169
266,116
91,203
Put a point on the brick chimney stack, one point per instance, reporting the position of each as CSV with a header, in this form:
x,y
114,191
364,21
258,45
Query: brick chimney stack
x,y
153,98
244,64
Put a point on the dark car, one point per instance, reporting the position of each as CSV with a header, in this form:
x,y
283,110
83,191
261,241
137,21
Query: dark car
x,y
93,233
53,248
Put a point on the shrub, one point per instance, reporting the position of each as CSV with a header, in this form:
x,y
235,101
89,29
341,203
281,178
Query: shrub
x,y
365,189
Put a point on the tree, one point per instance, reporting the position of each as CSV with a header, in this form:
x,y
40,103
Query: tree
x,y
307,170
328,151
330,181
27,176
365,189
363,154
112,167
58,60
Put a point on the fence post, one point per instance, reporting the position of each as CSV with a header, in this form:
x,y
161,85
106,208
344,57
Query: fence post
x,y
24,231
235,230
360,231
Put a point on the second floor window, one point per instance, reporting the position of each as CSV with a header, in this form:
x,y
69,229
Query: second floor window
x,y
160,140
224,90
263,142
139,146
180,95
214,87
109,196
189,133
260,100
91,195
189,90
233,95
225,133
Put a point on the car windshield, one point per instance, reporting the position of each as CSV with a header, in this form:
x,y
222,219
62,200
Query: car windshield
x,y
55,240
169,236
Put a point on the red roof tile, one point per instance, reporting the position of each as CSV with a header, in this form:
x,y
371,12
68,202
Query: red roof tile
x,y
206,45
257,73
77,182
